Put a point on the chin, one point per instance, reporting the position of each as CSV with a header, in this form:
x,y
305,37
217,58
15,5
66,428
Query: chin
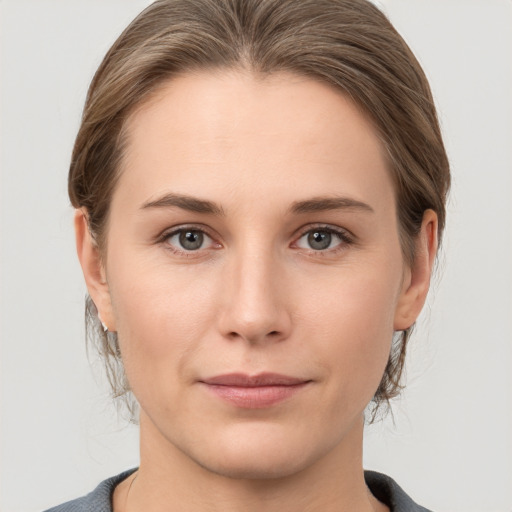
x,y
253,467
257,453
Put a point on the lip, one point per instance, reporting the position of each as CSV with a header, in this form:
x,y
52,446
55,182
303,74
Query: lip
x,y
256,391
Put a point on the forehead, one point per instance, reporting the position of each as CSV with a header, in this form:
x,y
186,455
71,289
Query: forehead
x,y
234,130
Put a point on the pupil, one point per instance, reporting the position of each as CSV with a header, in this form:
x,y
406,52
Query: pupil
x,y
191,240
319,239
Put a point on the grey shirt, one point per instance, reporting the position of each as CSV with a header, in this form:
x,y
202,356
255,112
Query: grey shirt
x,y
382,487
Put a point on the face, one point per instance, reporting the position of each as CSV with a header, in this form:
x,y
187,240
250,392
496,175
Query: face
x,y
253,270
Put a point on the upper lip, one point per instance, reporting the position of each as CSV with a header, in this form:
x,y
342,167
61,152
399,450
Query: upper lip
x,y
253,381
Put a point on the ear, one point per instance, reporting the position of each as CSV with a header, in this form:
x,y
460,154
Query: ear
x,y
417,277
93,269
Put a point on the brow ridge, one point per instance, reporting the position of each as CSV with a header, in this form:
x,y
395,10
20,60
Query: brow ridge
x,y
318,204
184,202
315,204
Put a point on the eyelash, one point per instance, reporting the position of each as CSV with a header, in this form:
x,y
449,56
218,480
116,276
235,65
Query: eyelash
x,y
345,238
163,239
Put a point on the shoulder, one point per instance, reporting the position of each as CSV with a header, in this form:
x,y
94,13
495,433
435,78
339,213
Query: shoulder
x,y
99,500
385,489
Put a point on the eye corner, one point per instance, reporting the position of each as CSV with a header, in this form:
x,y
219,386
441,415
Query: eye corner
x,y
188,240
326,235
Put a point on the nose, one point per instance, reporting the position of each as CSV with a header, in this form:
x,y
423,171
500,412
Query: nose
x,y
255,308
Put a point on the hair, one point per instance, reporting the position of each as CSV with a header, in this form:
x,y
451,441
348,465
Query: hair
x,y
349,44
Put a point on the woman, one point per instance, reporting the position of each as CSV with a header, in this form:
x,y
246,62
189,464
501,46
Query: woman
x,y
259,191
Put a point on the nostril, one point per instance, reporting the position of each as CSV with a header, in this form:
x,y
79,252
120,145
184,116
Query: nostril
x,y
235,335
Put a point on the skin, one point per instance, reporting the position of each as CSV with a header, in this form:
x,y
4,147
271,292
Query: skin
x,y
256,296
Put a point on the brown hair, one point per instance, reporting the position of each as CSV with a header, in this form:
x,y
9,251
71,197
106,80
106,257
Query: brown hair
x,y
347,43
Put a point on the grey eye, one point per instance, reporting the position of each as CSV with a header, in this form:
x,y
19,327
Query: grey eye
x,y
319,240
191,240
188,239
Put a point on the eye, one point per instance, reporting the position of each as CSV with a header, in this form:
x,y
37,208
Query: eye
x,y
188,239
321,239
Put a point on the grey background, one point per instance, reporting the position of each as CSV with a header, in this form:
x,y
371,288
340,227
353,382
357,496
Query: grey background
x,y
450,446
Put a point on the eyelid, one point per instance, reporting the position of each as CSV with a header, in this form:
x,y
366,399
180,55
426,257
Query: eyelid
x,y
343,232
346,237
169,232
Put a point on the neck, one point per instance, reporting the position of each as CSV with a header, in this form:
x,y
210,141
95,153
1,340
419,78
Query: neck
x,y
168,480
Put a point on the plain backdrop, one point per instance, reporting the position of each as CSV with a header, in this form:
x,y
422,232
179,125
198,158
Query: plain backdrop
x,y
450,443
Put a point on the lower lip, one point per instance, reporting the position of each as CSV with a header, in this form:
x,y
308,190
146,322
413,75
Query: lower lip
x,y
258,397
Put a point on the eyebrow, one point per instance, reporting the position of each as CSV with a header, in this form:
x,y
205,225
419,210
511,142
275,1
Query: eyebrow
x,y
192,204
320,204
316,204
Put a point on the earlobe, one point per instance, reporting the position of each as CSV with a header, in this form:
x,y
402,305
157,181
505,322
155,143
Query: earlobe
x,y
416,281
93,269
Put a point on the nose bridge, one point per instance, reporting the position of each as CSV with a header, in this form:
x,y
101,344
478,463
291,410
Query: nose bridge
x,y
255,309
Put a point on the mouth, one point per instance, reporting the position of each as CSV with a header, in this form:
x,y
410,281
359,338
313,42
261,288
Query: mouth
x,y
254,392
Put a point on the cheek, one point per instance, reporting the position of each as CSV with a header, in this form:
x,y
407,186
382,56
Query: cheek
x,y
162,314
352,321
358,303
